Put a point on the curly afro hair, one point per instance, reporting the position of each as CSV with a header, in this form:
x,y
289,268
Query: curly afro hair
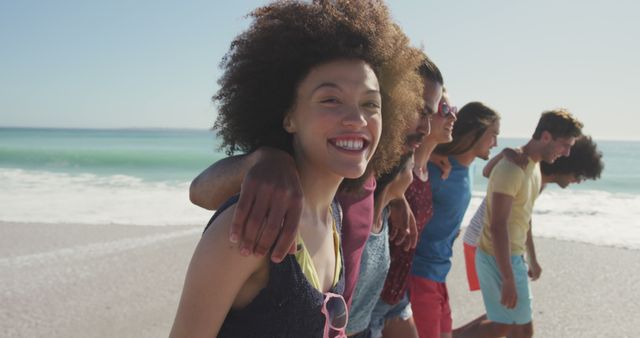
x,y
584,161
286,39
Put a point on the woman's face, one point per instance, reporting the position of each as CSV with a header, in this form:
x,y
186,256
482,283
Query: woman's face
x,y
488,140
336,120
442,122
401,182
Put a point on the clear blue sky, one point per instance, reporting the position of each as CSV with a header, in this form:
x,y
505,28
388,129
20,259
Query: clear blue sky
x,y
119,64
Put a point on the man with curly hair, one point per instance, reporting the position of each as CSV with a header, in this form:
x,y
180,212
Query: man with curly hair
x,y
511,194
583,163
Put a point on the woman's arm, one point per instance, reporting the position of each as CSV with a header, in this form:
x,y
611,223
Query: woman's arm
x,y
268,211
441,162
216,275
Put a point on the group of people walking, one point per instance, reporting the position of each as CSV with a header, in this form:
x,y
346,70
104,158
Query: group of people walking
x,y
339,217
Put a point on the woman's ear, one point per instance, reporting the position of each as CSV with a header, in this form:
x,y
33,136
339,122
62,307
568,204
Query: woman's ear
x,y
288,125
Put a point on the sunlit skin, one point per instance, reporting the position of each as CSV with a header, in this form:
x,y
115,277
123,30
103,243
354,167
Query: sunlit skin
x,y
556,148
335,124
431,94
338,102
401,182
442,126
488,140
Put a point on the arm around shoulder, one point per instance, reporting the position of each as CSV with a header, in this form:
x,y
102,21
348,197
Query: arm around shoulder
x,y
514,155
220,181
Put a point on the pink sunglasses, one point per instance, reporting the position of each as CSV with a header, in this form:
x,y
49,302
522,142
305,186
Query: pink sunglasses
x,y
336,316
444,110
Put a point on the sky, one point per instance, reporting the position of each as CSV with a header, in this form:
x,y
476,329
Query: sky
x,y
139,64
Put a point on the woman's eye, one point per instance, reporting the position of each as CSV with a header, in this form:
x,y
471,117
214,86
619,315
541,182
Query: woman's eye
x,y
372,105
330,100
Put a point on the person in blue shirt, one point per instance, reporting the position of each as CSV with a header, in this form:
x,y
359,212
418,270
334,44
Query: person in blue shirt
x,y
474,134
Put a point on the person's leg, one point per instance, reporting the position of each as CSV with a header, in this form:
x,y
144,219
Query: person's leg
x,y
499,319
426,303
399,321
521,331
400,328
471,323
482,328
446,321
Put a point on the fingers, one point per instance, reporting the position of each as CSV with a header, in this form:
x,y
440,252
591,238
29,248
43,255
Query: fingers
x,y
446,169
509,296
401,236
241,214
539,273
413,227
412,234
270,229
393,232
286,242
268,210
508,302
254,222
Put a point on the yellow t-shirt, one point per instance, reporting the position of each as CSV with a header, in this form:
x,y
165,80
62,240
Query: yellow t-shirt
x,y
524,186
306,263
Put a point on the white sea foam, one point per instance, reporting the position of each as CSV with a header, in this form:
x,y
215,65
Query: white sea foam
x,y
40,196
588,216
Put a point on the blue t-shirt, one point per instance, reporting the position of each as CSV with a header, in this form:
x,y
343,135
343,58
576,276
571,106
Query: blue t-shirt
x,y
450,201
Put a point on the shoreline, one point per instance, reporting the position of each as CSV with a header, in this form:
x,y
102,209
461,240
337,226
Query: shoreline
x,y
76,280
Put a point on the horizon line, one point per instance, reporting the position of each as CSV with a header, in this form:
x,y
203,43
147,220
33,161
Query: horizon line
x,y
211,130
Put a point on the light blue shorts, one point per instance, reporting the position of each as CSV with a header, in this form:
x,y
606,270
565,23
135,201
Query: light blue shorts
x,y
384,311
491,287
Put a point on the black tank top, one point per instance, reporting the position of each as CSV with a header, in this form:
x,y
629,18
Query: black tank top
x,y
287,307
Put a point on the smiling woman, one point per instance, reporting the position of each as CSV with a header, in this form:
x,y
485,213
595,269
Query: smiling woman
x,y
339,101
316,80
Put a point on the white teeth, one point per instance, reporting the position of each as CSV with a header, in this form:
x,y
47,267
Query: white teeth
x,y
350,144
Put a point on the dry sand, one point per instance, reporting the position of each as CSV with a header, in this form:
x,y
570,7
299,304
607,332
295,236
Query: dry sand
x,y
74,280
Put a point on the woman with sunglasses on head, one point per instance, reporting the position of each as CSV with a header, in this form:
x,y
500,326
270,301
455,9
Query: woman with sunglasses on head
x,y
309,79
474,133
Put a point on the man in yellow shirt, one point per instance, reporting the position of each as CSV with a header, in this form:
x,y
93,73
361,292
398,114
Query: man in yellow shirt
x,y
511,193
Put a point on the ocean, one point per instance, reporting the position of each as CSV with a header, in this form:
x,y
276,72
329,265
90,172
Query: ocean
x,y
141,177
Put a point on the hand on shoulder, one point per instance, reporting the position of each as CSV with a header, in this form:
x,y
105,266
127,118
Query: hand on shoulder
x,y
516,156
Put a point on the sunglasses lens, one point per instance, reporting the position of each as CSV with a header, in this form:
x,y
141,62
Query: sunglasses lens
x,y
337,309
444,109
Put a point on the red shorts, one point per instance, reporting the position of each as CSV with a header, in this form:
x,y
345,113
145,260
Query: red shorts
x,y
470,263
430,305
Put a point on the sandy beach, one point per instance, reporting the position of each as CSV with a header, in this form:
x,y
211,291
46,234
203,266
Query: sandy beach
x,y
75,280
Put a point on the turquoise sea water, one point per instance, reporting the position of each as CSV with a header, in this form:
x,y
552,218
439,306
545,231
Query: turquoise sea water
x,y
142,177
178,155
152,155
